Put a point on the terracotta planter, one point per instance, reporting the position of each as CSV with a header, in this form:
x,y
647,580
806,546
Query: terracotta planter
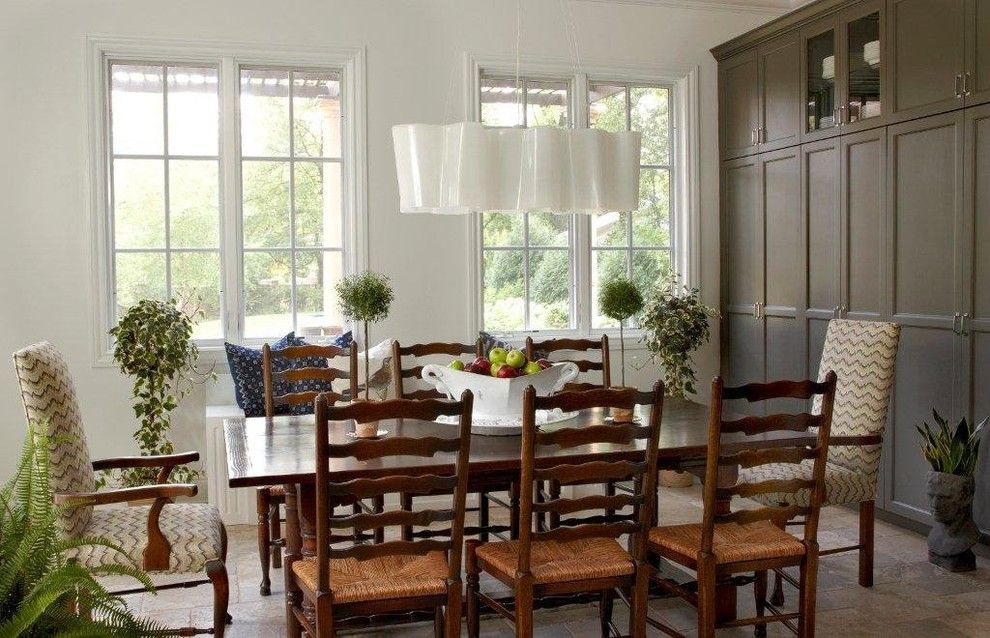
x,y
368,429
953,533
673,478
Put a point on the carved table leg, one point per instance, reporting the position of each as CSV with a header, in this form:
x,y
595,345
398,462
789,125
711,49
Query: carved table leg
x,y
293,545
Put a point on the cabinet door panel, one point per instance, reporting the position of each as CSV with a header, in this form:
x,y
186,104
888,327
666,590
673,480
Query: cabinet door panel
x,y
780,94
816,344
820,197
978,51
980,344
926,47
863,190
739,103
820,68
925,374
742,233
785,358
862,89
926,195
744,355
781,175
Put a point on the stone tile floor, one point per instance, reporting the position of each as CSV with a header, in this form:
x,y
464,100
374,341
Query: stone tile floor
x,y
910,597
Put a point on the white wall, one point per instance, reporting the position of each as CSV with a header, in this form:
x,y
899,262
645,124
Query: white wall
x,y
45,286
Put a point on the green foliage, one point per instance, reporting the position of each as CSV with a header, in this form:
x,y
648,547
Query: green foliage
x,y
951,450
675,325
619,299
153,345
365,297
38,585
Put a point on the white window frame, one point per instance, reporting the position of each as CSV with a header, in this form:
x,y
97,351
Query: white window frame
x,y
228,58
684,166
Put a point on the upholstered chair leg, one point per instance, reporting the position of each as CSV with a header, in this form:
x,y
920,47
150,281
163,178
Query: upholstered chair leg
x,y
264,535
217,574
809,584
706,596
605,612
454,610
471,568
866,538
275,523
760,594
524,606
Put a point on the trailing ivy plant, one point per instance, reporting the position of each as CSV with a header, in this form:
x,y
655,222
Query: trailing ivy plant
x,y
675,324
39,587
951,450
153,344
620,299
365,297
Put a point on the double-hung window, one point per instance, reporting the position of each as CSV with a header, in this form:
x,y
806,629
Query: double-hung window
x,y
230,189
542,271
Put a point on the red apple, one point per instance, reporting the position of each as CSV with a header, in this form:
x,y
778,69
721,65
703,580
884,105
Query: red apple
x,y
481,365
544,363
507,372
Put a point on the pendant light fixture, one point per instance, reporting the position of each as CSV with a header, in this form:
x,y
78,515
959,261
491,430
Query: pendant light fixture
x,y
456,169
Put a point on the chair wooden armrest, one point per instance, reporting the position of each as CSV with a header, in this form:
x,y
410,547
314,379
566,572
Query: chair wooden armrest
x,y
122,495
158,549
165,461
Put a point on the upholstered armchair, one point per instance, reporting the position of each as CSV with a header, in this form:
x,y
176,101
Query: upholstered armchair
x,y
163,537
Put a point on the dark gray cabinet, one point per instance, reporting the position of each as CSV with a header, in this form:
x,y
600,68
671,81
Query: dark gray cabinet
x,y
780,93
977,79
862,86
739,104
926,49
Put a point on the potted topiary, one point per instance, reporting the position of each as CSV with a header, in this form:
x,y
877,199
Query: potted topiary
x,y
620,299
952,453
153,344
365,297
675,325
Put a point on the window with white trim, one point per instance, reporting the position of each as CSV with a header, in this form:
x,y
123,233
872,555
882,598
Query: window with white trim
x,y
258,257
542,272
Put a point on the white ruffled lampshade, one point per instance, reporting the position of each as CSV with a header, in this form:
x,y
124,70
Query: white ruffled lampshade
x,y
462,168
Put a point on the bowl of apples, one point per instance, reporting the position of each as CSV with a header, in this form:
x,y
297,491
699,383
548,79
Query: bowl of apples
x,y
499,379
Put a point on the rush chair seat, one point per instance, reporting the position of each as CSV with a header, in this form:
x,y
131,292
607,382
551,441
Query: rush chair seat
x,y
726,542
165,537
294,386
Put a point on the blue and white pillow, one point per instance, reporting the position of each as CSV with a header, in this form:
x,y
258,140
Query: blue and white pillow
x,y
249,386
489,341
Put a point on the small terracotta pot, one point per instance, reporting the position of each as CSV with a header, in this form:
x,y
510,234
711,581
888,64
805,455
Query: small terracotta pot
x,y
367,430
622,415
673,478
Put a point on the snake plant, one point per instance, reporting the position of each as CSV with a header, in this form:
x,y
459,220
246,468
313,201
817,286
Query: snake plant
x,y
951,450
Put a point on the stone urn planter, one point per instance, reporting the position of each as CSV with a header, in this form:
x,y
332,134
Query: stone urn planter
x,y
953,533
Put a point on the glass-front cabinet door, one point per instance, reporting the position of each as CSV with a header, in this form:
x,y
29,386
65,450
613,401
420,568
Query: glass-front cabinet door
x,y
861,41
821,68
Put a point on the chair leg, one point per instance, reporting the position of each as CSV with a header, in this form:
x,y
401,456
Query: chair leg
x,y
807,603
264,535
379,504
605,612
777,597
406,503
473,573
274,522
554,494
483,516
640,601
324,617
524,607
706,596
514,511
867,517
217,573
438,622
453,611
760,593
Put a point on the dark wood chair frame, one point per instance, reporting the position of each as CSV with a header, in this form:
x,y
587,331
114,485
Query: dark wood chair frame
x,y
612,524
484,528
427,539
157,552
269,501
717,505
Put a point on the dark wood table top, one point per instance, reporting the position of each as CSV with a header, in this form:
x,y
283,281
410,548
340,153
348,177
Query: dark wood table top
x,y
282,450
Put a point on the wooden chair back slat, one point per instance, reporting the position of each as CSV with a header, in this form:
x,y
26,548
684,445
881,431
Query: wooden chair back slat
x,y
369,487
560,470
584,503
390,548
584,365
309,373
759,452
454,482
597,471
363,450
399,372
751,426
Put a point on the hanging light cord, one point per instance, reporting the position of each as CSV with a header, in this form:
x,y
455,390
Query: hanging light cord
x,y
570,33
519,100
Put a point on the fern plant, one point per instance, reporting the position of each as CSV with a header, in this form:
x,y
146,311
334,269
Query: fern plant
x,y
39,587
951,450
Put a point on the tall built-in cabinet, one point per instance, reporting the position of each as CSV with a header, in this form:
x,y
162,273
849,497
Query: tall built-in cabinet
x,y
855,183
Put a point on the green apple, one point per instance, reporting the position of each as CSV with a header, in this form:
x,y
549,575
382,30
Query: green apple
x,y
456,364
515,358
497,355
495,367
532,368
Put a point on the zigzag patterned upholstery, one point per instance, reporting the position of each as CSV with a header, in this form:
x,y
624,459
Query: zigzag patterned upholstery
x,y
49,396
863,354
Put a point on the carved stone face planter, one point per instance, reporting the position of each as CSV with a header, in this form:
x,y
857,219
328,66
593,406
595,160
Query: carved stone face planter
x,y
954,533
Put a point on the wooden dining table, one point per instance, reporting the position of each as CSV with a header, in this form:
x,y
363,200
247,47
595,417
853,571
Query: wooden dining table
x,y
282,450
